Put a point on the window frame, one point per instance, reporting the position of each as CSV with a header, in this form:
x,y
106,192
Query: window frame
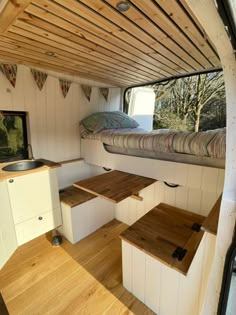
x,y
125,110
22,114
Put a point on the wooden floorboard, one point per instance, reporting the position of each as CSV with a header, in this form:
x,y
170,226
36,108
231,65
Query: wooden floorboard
x,y
84,278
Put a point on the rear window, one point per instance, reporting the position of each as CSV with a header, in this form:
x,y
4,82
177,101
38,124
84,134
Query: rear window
x,y
192,103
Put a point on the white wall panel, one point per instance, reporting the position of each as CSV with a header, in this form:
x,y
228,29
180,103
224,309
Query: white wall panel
x,y
52,119
197,200
163,289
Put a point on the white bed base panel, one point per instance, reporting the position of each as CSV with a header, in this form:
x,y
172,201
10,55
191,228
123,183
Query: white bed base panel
x,y
199,201
162,289
182,174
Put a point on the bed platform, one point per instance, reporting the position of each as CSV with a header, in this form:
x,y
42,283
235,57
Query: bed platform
x,y
198,148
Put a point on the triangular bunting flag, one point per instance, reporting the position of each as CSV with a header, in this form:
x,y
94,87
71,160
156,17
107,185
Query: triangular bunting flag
x,y
9,70
87,91
65,86
39,77
105,92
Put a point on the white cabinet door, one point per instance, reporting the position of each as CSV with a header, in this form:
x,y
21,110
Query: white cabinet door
x,y
30,195
8,242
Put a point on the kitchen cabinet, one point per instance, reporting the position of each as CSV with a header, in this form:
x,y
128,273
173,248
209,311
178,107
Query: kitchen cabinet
x,y
31,195
8,242
29,207
34,203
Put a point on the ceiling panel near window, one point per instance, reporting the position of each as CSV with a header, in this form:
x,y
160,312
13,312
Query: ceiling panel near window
x,y
93,39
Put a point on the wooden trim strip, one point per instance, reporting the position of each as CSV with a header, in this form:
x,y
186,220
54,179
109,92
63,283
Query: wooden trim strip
x,y
70,161
210,224
136,197
10,13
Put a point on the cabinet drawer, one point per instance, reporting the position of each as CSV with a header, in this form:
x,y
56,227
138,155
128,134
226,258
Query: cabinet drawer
x,y
37,226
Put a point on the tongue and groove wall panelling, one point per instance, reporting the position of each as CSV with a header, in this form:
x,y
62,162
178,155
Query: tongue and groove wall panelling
x,y
53,119
198,199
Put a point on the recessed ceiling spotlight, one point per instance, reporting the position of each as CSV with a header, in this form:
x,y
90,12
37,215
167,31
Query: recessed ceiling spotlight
x,y
123,6
49,53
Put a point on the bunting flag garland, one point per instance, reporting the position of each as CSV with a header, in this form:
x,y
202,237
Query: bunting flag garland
x,y
105,92
9,70
65,86
39,77
87,91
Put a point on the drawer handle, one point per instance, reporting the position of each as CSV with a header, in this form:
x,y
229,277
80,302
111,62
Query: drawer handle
x,y
40,218
11,180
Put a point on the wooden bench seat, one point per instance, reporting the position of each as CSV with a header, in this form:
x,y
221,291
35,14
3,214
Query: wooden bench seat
x,y
164,229
82,213
73,196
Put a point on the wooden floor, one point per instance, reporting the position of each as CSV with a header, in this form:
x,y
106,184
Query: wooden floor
x,y
85,278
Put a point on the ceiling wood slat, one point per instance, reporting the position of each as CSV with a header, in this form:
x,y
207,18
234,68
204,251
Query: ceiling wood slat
x,y
113,45
167,44
129,27
72,54
55,61
15,58
177,14
154,39
154,49
63,37
62,60
150,9
70,48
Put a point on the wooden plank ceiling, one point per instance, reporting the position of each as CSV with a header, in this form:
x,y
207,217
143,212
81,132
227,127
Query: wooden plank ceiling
x,y
92,39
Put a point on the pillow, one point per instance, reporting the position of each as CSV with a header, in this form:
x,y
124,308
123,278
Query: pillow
x,y
108,120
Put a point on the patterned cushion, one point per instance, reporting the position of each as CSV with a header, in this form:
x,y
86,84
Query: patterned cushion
x,y
182,140
217,146
108,120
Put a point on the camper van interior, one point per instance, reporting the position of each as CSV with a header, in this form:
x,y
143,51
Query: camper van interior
x,y
117,157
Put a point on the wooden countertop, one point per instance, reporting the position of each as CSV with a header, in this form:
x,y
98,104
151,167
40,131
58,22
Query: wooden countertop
x,y
73,196
115,185
5,175
163,229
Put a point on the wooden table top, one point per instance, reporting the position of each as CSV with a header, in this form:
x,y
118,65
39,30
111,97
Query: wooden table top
x,y
163,229
115,185
73,196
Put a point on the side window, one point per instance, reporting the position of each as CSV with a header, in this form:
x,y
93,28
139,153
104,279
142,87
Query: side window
x,y
13,136
192,103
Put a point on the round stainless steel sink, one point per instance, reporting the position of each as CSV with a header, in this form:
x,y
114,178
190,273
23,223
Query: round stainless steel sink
x,y
23,166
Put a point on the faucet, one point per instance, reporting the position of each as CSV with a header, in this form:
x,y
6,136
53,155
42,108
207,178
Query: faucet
x,y
30,152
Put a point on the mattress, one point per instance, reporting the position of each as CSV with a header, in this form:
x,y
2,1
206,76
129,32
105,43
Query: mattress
x,y
165,144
